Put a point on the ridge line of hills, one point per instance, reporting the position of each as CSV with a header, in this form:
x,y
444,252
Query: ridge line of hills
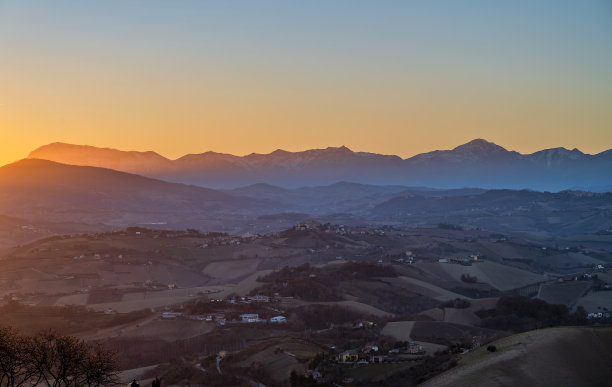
x,y
472,145
478,163
46,191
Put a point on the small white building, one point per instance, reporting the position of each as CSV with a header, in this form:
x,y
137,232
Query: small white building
x,y
260,298
171,315
249,317
278,319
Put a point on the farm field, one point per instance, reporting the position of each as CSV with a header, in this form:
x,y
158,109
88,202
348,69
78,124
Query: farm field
x,y
357,306
382,294
566,293
461,316
439,331
499,276
595,302
152,298
130,301
605,276
465,316
430,348
231,269
126,376
424,288
434,314
168,330
278,365
569,260
400,330
282,356
131,306
377,372
73,299
497,249
244,286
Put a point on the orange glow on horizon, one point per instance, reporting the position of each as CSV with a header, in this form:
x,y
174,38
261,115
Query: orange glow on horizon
x,y
68,74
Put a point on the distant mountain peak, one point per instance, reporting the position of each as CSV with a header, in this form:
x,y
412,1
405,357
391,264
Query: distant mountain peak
x,y
555,156
480,145
280,152
65,147
338,149
128,161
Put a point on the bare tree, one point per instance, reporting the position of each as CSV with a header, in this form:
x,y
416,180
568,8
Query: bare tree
x,y
16,369
58,358
63,361
99,367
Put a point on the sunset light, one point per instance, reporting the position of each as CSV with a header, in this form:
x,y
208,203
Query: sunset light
x,y
267,193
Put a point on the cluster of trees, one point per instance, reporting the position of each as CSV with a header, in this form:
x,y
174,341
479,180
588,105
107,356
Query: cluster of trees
x,y
323,316
457,303
470,279
520,314
53,360
305,282
320,284
449,226
363,270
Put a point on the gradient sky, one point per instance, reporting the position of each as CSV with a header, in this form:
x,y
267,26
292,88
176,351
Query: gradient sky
x,y
394,77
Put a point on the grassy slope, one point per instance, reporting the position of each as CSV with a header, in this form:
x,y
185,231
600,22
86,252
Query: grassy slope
x,y
545,357
499,276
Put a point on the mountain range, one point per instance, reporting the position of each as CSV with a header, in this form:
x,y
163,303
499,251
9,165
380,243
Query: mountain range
x,y
478,163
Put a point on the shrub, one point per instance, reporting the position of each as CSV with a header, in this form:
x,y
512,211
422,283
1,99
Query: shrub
x,y
457,303
469,279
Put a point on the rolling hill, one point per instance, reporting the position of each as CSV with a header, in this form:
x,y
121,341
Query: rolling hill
x,y
546,357
44,190
334,198
566,212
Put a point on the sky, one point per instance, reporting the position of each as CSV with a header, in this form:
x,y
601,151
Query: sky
x,y
392,77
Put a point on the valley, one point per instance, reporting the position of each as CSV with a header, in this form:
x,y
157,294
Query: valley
x,y
335,286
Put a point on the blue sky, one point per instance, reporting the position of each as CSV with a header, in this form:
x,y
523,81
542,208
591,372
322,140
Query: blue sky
x,y
396,77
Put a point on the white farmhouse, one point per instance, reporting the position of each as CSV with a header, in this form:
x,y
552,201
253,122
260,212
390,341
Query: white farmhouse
x,y
278,319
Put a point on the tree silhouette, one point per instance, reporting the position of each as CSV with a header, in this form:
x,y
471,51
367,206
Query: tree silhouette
x,y
16,368
53,360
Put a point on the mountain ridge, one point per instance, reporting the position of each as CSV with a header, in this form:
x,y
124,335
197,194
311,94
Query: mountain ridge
x,y
471,145
51,191
477,163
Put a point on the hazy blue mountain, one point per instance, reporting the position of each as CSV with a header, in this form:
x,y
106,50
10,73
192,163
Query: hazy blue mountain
x,y
338,197
478,163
